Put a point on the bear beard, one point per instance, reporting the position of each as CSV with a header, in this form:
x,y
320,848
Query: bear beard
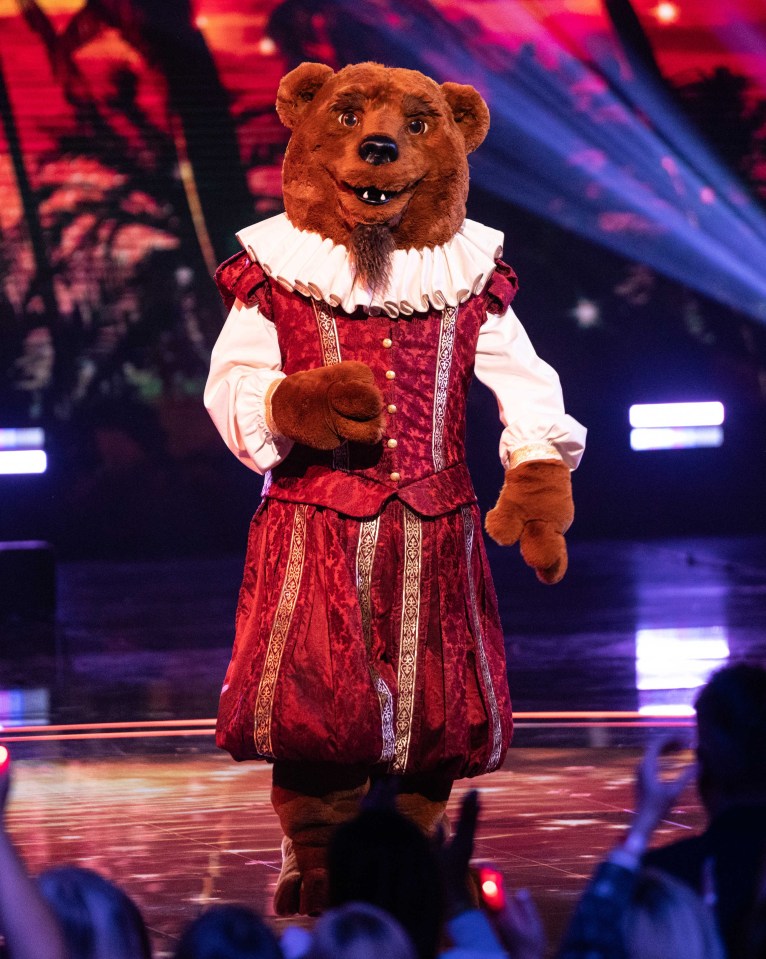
x,y
371,246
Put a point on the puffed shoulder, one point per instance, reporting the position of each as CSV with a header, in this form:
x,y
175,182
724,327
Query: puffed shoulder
x,y
501,289
238,278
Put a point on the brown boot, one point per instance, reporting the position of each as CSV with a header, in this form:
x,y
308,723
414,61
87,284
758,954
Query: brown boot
x,y
287,896
308,821
427,814
423,799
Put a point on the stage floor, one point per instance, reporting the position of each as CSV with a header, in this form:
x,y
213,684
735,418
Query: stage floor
x,y
109,718
180,831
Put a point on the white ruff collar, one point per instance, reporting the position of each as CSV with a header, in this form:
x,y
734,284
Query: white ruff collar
x,y
420,279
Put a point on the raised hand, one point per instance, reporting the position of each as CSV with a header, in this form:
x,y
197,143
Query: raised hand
x,y
455,857
520,927
655,794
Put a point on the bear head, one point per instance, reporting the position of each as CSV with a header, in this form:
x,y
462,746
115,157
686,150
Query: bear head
x,y
377,158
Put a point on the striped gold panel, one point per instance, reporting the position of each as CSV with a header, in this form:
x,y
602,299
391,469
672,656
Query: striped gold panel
x,y
365,558
441,386
264,703
408,642
328,337
494,756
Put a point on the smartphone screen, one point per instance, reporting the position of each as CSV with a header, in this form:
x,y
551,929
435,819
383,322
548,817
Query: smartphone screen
x,y
491,888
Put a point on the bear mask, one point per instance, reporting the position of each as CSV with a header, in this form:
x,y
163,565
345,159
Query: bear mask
x,y
377,158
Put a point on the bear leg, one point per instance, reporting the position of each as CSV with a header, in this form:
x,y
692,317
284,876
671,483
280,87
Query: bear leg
x,y
287,895
310,801
423,800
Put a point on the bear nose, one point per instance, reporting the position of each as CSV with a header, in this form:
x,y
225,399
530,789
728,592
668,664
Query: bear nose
x,y
378,149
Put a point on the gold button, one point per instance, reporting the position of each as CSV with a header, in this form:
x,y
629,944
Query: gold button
x,y
396,477
391,408
391,444
388,342
390,375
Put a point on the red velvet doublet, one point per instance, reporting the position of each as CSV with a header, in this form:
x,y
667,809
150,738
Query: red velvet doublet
x,y
367,629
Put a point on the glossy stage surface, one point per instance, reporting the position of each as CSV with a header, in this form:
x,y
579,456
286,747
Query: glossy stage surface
x,y
109,719
182,831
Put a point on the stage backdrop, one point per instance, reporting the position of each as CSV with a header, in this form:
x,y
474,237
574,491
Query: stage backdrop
x,y
626,165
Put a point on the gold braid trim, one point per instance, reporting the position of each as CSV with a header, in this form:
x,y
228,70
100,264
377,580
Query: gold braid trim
x,y
280,628
533,451
408,641
494,711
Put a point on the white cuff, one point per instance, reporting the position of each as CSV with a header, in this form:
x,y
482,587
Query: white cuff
x,y
251,404
263,447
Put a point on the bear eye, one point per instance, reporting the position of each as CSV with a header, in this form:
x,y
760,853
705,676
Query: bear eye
x,y
417,126
348,118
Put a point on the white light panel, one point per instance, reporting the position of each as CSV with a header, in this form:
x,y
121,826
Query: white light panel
x,y
667,711
652,415
17,462
681,658
672,665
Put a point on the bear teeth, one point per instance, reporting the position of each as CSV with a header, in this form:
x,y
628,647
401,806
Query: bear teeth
x,y
373,195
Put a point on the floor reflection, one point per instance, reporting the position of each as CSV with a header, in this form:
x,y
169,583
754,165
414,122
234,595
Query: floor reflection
x,y
110,726
181,830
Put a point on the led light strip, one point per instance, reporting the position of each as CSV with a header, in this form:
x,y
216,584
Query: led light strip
x,y
676,438
19,462
28,438
652,415
570,719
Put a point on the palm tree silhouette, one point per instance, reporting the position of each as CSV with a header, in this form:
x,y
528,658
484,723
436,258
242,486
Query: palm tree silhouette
x,y
721,106
203,130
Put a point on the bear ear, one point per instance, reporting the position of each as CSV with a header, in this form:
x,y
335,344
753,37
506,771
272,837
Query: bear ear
x,y
298,88
469,111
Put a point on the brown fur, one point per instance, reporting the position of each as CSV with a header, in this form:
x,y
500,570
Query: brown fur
x,y
371,247
308,821
324,406
429,176
535,506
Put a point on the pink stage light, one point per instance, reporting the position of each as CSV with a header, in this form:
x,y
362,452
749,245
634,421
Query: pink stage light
x,y
19,462
667,12
599,150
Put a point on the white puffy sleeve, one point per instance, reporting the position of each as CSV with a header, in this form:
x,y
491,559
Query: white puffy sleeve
x,y
246,360
528,393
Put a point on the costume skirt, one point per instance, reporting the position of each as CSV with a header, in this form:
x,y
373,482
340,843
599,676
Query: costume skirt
x,y
373,642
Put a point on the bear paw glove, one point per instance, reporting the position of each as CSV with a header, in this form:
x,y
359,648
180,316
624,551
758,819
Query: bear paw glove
x,y
535,506
323,407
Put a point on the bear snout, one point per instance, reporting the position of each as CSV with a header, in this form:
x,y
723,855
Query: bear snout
x,y
378,150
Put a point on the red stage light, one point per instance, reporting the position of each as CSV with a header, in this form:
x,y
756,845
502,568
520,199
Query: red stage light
x,y
5,758
667,12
